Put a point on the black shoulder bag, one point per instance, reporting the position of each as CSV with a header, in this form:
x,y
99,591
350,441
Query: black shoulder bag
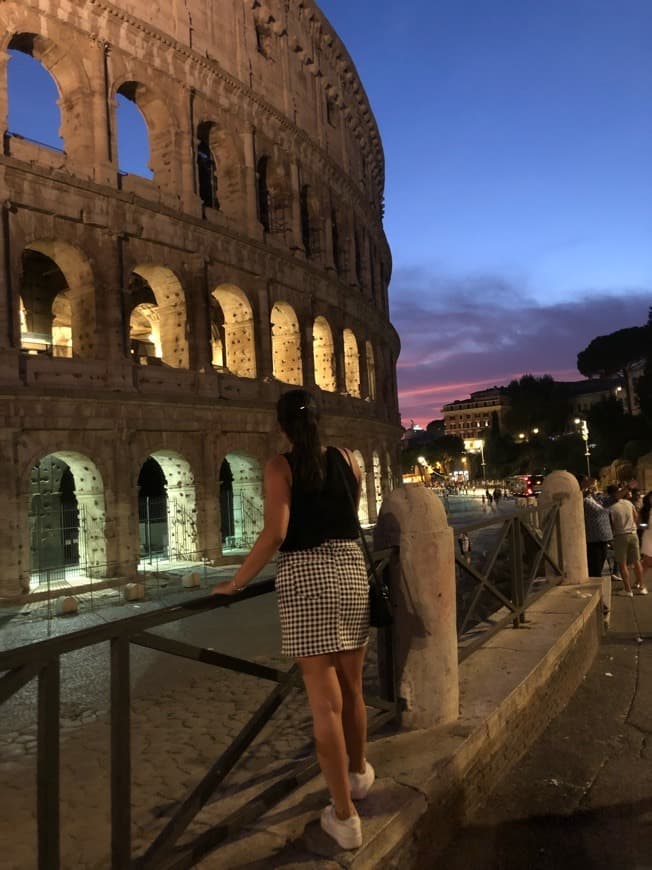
x,y
380,606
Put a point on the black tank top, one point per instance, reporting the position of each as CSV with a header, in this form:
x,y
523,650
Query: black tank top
x,y
324,513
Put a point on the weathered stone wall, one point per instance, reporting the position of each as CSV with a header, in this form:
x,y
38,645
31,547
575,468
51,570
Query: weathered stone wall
x,y
259,82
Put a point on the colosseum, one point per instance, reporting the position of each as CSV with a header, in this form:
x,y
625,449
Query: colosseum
x,y
150,321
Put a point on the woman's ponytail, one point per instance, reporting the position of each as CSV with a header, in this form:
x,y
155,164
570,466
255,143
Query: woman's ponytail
x,y
298,416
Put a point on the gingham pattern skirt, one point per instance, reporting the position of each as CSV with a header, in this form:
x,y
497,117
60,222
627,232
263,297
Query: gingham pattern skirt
x,y
323,599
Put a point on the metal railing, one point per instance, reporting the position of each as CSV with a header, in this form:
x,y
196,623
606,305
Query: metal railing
x,y
42,661
503,565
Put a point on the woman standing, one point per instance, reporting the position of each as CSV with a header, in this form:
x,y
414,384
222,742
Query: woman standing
x,y
322,590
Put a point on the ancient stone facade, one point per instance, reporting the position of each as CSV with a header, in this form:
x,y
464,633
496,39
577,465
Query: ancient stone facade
x,y
153,322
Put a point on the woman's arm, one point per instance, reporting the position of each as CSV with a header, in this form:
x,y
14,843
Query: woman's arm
x,y
278,494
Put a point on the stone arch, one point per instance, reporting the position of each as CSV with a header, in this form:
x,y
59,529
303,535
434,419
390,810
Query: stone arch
x,y
310,221
167,507
232,331
378,479
67,516
228,159
57,300
43,126
158,300
273,195
371,370
363,510
286,345
161,125
241,500
351,363
323,350
73,87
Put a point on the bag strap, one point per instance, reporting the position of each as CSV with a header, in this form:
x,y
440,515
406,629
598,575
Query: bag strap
x,y
365,546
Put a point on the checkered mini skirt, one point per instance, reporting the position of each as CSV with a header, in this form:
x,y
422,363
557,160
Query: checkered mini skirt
x,y
323,599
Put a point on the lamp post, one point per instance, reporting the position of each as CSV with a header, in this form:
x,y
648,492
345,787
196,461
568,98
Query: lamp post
x,y
584,432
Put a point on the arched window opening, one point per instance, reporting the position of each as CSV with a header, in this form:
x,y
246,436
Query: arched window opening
x,y
45,308
335,239
66,520
363,510
371,369
133,133
241,501
157,323
390,473
378,480
33,96
286,345
306,230
263,193
167,509
358,258
144,323
351,364
218,340
324,355
232,329
206,168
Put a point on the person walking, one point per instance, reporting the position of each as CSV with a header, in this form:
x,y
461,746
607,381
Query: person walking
x,y
597,526
626,547
323,599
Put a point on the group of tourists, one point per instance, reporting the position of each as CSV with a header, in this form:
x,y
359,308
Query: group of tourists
x,y
619,518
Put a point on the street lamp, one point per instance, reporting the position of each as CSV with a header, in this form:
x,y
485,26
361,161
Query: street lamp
x,y
473,445
584,432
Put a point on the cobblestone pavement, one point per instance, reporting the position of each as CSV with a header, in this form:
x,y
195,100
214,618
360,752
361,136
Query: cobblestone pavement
x,y
184,714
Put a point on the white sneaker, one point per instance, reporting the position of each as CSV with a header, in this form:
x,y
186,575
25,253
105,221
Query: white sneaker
x,y
625,594
347,833
640,590
361,782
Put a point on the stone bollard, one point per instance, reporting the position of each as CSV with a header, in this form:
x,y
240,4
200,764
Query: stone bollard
x,y
561,487
134,591
423,592
67,606
190,581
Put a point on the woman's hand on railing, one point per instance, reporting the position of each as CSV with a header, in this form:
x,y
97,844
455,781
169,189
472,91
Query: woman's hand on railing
x,y
226,587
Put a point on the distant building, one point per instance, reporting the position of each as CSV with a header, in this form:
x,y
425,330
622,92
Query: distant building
x,y
585,394
471,418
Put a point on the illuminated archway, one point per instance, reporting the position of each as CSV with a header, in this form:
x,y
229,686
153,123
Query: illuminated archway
x,y
167,508
232,331
363,510
157,323
286,345
57,301
351,364
241,501
323,355
66,519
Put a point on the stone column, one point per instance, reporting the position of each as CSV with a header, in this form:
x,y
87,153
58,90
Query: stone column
x,y
423,592
562,488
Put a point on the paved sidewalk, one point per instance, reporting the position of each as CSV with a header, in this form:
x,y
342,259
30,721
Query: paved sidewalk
x,y
582,796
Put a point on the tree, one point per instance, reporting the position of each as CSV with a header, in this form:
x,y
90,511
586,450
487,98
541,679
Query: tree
x,y
537,403
644,385
616,353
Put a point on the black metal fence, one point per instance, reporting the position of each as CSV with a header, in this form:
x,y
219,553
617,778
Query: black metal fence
x,y
503,565
42,661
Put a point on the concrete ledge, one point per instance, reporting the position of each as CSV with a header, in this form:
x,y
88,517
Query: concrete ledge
x,y
431,780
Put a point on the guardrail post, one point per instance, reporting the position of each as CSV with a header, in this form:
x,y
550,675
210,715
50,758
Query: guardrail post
x,y
422,582
561,487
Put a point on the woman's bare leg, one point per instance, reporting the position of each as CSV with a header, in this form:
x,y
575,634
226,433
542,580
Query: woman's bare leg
x,y
349,664
325,698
